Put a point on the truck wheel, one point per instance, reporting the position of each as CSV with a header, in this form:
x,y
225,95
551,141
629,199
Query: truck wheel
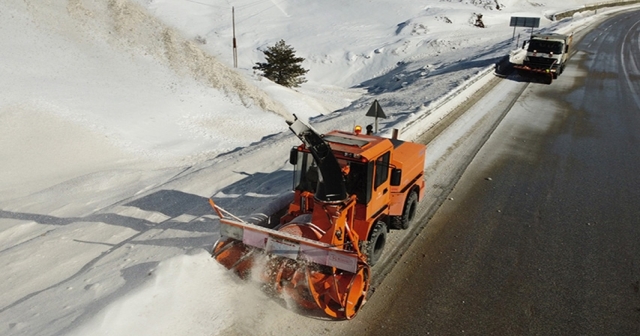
x,y
408,213
376,242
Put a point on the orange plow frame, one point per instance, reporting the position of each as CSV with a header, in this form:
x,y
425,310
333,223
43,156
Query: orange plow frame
x,y
549,73
315,274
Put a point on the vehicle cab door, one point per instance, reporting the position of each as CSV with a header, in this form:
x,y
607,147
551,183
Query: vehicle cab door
x,y
381,193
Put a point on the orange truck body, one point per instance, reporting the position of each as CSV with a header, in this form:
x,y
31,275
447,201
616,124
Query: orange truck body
x,y
350,189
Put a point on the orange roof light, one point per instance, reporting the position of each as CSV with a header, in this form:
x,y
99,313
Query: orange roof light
x,y
357,130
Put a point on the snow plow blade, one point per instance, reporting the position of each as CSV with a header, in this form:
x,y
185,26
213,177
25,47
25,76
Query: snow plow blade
x,y
315,274
547,75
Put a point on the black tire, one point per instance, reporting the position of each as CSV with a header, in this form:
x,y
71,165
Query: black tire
x,y
376,242
408,213
549,80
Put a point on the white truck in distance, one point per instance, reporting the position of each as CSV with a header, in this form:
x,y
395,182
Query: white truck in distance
x,y
546,55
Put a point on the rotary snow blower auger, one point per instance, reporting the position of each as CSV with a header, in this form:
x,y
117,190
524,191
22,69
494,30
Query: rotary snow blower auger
x,y
349,190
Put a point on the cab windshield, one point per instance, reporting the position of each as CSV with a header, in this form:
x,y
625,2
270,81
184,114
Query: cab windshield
x,y
307,175
545,47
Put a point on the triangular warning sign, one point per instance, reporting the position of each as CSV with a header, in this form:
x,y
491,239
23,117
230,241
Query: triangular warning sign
x,y
376,110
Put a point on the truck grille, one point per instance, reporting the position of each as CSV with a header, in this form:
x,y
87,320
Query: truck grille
x,y
540,62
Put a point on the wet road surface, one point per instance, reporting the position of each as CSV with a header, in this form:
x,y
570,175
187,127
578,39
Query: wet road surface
x,y
541,235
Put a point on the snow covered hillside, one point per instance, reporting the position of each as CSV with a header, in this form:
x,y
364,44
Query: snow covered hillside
x,y
119,118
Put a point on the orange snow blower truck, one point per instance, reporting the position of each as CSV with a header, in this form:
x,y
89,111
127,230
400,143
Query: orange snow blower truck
x,y
349,190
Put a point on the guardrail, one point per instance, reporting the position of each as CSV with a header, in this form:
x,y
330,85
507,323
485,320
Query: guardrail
x,y
591,7
439,103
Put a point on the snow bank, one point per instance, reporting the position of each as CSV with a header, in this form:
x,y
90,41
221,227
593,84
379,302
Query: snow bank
x,y
163,305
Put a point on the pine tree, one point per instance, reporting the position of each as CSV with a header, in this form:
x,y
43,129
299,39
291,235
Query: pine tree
x,y
282,66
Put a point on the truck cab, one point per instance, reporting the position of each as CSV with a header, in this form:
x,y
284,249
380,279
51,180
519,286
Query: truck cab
x,y
385,176
547,53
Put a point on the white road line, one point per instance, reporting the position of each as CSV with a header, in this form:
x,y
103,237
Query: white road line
x,y
624,66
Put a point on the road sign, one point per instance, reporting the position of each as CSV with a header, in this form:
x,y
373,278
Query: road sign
x,y
529,22
376,111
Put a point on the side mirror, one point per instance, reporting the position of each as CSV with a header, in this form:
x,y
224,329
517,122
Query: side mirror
x,y
293,156
396,177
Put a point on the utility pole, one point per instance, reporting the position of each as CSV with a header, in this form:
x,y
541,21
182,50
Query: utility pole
x,y
235,47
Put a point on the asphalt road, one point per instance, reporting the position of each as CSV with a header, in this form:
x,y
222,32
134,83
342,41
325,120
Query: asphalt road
x,y
541,235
